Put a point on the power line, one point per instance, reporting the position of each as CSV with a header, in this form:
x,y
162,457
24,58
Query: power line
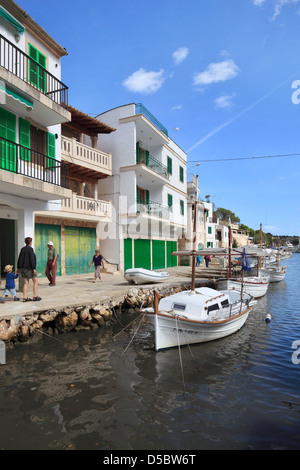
x,y
246,158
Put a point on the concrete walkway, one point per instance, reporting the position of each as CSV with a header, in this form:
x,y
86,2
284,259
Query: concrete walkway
x,y
80,290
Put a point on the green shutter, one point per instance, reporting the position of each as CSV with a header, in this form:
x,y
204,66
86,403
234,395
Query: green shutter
x,y
137,152
7,149
181,207
24,139
127,253
170,202
181,174
169,165
37,76
51,150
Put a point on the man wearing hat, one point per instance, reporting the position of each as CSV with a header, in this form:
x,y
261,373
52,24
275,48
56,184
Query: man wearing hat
x,y
51,264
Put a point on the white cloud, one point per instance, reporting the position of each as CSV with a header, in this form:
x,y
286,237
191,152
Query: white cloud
x,y
180,55
258,2
142,81
217,72
174,108
224,101
279,4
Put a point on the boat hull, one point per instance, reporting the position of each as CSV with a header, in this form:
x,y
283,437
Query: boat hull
x,y
254,288
144,276
276,275
172,331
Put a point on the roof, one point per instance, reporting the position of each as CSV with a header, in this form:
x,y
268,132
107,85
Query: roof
x,y
35,28
87,124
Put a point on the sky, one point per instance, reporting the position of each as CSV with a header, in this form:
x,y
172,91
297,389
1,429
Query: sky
x,y
223,76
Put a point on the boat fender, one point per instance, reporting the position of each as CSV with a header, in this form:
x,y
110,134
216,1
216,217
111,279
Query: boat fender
x,y
268,318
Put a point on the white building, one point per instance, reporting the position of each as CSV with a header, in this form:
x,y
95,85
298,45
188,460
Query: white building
x,y
148,190
33,104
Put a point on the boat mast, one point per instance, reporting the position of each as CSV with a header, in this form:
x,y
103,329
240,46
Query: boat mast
x,y
229,249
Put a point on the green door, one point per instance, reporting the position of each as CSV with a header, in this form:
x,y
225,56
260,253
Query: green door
x,y
8,159
80,245
171,260
127,253
142,254
43,234
158,254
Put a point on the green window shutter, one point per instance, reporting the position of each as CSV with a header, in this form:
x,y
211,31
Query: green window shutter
x,y
147,197
209,230
169,165
181,207
170,202
7,149
137,152
181,174
51,150
37,76
24,139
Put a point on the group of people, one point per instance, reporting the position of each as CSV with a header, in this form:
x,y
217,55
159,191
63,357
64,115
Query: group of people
x,y
206,258
26,268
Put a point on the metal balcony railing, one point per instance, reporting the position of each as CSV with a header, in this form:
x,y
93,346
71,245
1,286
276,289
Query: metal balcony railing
x,y
153,208
141,109
24,67
27,162
144,157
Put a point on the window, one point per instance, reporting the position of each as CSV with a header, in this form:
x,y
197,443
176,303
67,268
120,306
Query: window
x,y
142,196
213,307
170,165
179,306
209,230
51,150
24,139
181,174
7,149
181,207
37,76
170,202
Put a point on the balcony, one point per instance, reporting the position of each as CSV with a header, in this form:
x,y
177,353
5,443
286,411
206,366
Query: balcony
x,y
144,157
154,209
31,173
85,206
141,109
24,75
76,153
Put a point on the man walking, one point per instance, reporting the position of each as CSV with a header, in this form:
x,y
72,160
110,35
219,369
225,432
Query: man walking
x,y
26,266
51,264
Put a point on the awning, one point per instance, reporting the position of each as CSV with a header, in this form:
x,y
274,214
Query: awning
x,y
12,21
14,95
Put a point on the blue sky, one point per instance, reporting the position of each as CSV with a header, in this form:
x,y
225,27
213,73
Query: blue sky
x,y
222,71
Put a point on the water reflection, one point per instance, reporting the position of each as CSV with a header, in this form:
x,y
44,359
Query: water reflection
x,y
89,392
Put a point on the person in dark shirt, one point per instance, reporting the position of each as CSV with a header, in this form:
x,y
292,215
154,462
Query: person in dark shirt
x,y
10,287
98,262
27,268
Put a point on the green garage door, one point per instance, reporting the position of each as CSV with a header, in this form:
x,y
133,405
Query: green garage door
x,y
80,245
43,234
171,260
127,253
142,256
158,254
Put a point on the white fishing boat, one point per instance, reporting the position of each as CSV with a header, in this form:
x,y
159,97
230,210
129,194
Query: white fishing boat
x,y
276,273
144,276
198,316
256,286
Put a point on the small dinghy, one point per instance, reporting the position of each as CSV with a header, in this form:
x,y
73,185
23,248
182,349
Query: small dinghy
x,y
144,276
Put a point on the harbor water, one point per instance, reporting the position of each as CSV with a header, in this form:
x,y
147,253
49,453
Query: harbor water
x,y
108,389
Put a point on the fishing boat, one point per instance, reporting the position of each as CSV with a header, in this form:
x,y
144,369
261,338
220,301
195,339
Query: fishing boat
x,y
144,276
276,273
197,316
256,286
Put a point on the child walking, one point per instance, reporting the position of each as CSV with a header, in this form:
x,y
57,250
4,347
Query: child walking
x,y
10,286
98,261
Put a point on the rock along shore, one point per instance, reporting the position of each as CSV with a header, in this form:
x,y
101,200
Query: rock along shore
x,y
85,316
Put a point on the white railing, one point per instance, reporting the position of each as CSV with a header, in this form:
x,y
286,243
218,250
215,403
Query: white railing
x,y
87,206
79,153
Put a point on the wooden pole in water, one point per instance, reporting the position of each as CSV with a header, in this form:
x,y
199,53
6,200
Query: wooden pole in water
x,y
194,250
